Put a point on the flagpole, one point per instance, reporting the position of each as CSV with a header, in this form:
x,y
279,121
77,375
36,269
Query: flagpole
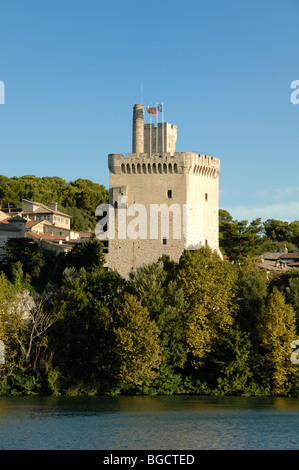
x,y
150,149
157,127
162,127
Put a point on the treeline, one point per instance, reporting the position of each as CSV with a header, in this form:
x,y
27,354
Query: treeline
x,y
77,198
240,238
200,326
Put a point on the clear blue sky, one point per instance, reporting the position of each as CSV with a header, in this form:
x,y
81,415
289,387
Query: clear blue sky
x,y
73,70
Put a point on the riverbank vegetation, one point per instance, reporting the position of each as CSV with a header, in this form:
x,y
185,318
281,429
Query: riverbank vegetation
x,y
200,326
203,325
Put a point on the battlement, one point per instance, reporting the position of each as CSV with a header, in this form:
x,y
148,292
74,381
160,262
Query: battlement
x,y
165,163
150,138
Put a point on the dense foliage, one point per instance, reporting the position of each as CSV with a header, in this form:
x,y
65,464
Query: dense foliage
x,y
77,198
201,325
238,239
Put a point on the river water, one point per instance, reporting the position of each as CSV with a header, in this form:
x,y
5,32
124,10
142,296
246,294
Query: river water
x,y
141,423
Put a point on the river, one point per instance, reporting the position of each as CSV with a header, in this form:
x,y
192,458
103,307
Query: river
x,y
141,423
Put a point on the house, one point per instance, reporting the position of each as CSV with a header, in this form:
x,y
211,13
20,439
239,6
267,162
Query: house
x,y
44,225
55,243
13,227
35,211
290,259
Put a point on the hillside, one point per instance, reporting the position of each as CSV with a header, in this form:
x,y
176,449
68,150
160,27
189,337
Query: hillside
x,y
77,198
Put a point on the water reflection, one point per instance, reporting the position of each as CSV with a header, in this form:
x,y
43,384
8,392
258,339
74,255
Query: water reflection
x,y
175,422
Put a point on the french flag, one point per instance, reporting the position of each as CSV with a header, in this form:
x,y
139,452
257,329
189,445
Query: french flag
x,y
152,110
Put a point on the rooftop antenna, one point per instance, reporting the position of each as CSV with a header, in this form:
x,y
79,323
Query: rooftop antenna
x,y
141,94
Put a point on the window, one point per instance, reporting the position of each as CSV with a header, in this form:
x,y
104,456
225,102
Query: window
x,y
206,196
169,194
206,242
164,241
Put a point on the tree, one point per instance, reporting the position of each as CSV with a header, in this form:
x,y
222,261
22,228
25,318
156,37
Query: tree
x,y
38,265
136,343
276,332
11,325
209,286
156,286
233,362
252,296
238,238
86,254
33,345
294,232
277,230
82,341
288,284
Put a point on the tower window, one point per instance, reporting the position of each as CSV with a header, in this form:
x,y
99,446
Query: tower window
x,y
207,243
164,241
169,194
206,196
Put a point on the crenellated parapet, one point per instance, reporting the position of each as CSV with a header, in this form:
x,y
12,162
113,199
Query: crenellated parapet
x,y
166,163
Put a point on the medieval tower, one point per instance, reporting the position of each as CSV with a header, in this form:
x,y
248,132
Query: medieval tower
x,y
163,201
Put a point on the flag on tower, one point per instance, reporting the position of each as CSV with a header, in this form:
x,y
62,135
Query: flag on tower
x,y
152,110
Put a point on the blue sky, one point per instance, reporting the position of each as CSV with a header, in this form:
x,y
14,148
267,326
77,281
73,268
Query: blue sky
x,y
73,70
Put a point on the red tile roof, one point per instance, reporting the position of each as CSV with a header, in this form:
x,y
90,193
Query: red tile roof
x,y
290,256
46,236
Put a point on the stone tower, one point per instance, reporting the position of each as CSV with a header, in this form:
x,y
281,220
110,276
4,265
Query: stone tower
x,y
163,201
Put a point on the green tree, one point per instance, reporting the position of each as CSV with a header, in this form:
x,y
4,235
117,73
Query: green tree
x,y
234,363
38,265
81,343
137,345
209,286
294,232
157,288
252,296
288,283
276,332
238,239
11,325
277,230
86,254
